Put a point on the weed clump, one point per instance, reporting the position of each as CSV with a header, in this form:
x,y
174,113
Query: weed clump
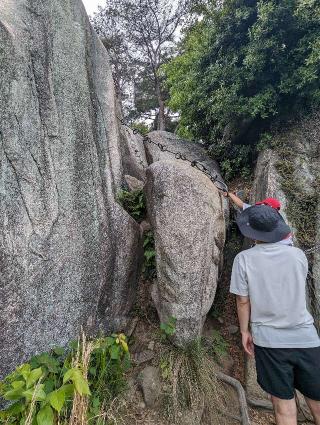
x,y
191,386
134,203
67,386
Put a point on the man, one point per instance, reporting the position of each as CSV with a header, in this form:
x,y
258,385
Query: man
x,y
269,281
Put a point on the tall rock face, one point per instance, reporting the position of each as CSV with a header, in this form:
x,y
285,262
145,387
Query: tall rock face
x,y
291,173
187,216
267,181
69,254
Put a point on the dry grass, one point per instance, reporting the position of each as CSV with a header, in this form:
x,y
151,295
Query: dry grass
x,y
79,413
30,417
192,386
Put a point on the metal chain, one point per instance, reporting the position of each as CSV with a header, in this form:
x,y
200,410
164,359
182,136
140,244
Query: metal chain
x,y
196,164
215,178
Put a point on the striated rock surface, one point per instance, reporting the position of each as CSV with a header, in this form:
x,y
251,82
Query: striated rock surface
x,y
186,212
192,150
267,181
69,254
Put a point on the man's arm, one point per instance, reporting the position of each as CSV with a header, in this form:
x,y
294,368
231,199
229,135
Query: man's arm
x,y
244,309
234,198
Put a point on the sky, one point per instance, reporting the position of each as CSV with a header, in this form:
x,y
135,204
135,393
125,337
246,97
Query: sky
x,y
92,5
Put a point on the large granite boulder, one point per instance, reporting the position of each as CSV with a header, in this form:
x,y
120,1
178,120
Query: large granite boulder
x,y
162,145
186,212
69,254
191,150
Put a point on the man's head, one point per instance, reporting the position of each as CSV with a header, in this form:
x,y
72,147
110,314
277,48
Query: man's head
x,y
262,223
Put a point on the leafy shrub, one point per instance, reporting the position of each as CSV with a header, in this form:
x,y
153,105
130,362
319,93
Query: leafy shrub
x,y
110,359
42,391
168,328
242,68
142,128
134,203
149,264
219,345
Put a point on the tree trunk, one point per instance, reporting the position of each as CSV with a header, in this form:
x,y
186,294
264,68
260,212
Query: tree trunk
x,y
161,125
161,118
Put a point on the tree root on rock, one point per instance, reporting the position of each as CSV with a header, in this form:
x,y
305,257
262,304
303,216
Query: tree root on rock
x,y
244,418
260,404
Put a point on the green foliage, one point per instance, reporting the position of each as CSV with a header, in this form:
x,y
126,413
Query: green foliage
x,y
109,361
149,264
42,390
219,346
168,328
244,66
141,128
165,368
134,203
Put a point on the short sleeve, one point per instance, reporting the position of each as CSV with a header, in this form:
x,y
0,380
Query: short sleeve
x,y
245,206
239,282
304,262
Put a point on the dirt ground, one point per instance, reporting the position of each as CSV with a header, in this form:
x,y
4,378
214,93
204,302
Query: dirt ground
x,y
147,330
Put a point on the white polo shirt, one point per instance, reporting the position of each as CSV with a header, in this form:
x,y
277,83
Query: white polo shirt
x,y
273,275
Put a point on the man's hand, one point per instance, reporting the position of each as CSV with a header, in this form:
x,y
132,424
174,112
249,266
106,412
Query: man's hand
x,y
247,343
234,198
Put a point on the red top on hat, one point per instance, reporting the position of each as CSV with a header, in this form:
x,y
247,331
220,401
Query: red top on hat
x,y
271,202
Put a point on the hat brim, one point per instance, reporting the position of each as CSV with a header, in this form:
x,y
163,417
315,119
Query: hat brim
x,y
277,234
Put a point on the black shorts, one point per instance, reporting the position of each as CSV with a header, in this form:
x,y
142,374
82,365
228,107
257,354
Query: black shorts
x,y
281,370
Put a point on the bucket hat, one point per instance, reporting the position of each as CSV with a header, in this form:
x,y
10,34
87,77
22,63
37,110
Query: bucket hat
x,y
262,223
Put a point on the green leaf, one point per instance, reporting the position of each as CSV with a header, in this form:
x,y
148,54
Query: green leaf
x,y
49,385
75,375
49,362
68,375
74,344
149,254
57,399
34,376
110,341
81,384
13,394
59,351
36,393
114,352
68,390
45,416
93,370
17,384
96,402
24,370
